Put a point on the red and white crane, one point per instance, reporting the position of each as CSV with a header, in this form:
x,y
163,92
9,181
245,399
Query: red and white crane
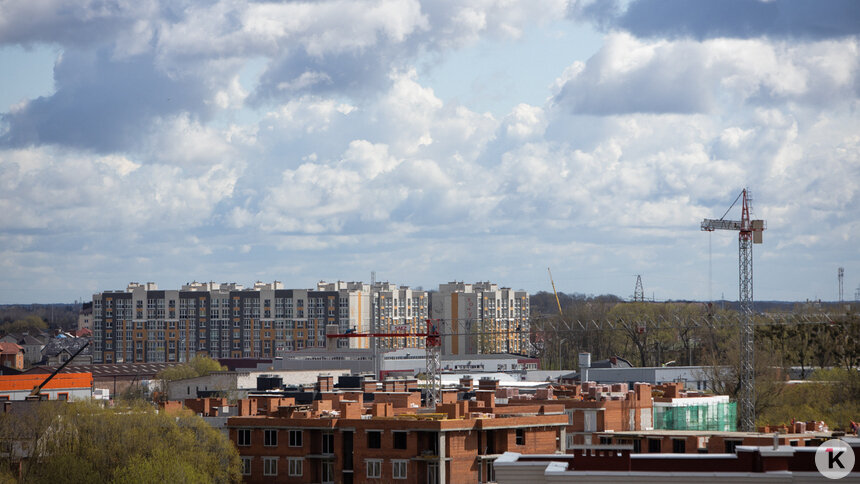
x,y
433,348
749,232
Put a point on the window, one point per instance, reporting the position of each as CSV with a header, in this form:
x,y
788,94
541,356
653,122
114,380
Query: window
x,y
399,440
591,420
679,446
246,466
62,396
327,472
398,469
730,446
270,438
374,439
654,446
521,437
374,468
270,466
328,443
295,438
243,437
294,466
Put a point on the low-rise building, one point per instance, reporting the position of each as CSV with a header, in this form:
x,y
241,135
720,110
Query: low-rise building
x,y
63,386
60,349
238,384
611,463
702,441
12,355
32,349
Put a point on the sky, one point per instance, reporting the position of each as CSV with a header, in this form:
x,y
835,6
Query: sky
x,y
428,141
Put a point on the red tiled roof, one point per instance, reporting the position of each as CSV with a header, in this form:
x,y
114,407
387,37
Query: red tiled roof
x,y
10,349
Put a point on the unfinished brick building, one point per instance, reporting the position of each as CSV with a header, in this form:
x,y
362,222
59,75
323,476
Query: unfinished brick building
x,y
342,438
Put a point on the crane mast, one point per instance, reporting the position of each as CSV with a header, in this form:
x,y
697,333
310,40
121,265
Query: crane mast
x,y
432,346
749,233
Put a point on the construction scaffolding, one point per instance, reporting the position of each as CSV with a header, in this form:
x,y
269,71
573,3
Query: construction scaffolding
x,y
719,417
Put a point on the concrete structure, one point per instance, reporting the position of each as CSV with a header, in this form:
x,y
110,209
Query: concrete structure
x,y
238,384
399,309
783,464
481,318
704,442
354,310
85,317
697,377
405,361
64,386
145,324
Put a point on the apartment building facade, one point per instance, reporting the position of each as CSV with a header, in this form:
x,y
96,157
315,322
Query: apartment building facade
x,y
481,318
146,324
400,309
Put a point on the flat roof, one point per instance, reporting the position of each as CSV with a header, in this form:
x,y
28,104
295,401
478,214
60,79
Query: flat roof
x,y
707,433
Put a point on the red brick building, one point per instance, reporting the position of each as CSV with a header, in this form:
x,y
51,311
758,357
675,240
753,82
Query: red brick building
x,y
340,437
340,441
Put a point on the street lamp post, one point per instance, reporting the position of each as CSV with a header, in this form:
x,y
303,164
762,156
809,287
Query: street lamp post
x,y
560,341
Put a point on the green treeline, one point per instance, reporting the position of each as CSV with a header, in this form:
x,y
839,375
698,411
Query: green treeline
x,y
692,334
83,442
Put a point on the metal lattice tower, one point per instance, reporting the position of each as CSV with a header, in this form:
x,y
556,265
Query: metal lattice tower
x,y
749,233
374,344
841,274
433,349
639,291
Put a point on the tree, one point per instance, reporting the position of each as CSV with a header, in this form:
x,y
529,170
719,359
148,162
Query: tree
x,y
830,395
198,366
83,442
27,323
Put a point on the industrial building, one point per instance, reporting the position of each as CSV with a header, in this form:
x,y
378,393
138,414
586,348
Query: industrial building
x,y
63,386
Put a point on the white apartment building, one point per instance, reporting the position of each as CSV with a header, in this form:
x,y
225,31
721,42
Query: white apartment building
x,y
481,318
400,309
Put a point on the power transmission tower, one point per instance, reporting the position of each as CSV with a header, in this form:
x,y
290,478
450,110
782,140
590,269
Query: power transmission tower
x,y
841,275
749,232
638,291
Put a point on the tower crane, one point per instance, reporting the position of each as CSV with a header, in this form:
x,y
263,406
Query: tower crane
x,y
432,345
749,233
555,292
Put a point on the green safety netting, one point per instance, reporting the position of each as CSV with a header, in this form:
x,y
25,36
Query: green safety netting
x,y
720,417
